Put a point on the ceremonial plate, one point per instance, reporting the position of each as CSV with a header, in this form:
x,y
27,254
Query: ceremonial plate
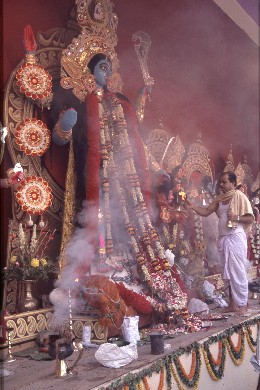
x,y
34,81
32,137
34,195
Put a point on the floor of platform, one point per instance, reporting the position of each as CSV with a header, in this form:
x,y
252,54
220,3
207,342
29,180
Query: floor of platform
x,y
28,374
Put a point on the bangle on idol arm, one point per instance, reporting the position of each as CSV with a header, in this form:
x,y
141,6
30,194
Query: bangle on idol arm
x,y
64,135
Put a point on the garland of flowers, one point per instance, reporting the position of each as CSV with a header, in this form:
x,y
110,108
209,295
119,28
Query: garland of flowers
x,y
131,381
191,379
237,353
254,237
251,342
180,387
146,384
139,386
161,383
215,367
145,242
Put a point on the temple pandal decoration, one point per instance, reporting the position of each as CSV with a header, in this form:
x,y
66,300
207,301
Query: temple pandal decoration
x,y
26,326
164,152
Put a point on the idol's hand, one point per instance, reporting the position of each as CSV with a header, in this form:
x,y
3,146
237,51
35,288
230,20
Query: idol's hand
x,y
68,119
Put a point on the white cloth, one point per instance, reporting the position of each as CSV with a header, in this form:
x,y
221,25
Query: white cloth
x,y
232,247
223,229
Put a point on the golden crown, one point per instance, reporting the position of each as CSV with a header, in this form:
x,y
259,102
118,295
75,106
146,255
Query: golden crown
x,y
98,35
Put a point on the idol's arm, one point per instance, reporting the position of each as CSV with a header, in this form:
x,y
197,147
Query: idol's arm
x,y
62,131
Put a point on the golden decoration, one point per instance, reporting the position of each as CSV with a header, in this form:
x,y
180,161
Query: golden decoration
x,y
27,325
98,35
248,180
230,161
256,185
198,160
69,207
167,151
142,46
240,174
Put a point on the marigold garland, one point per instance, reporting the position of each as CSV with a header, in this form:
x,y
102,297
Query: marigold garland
x,y
237,353
176,378
251,342
161,383
146,384
132,380
144,240
139,386
191,379
212,364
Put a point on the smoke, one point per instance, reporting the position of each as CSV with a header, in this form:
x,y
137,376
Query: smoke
x,y
206,73
78,254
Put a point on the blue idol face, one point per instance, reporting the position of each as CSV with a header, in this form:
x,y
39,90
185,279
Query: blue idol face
x,y
102,72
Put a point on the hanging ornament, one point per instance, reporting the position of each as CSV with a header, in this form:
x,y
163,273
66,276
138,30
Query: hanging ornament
x,y
34,195
32,137
33,80
41,223
30,221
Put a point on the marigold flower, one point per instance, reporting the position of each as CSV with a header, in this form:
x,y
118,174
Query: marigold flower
x,y
13,259
35,262
44,262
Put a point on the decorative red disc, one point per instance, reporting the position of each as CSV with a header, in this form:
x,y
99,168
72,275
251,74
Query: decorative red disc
x,y
34,195
32,137
34,81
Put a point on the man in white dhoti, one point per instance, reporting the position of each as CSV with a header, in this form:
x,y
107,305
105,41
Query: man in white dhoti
x,y
235,219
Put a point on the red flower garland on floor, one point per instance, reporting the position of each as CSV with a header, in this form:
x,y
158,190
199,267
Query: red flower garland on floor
x,y
135,300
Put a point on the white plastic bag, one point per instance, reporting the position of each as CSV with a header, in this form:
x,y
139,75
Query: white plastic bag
x,y
208,289
130,329
112,356
197,306
219,301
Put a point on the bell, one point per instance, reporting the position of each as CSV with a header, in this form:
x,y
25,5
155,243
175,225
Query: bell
x,y
61,369
30,221
229,224
62,350
41,223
